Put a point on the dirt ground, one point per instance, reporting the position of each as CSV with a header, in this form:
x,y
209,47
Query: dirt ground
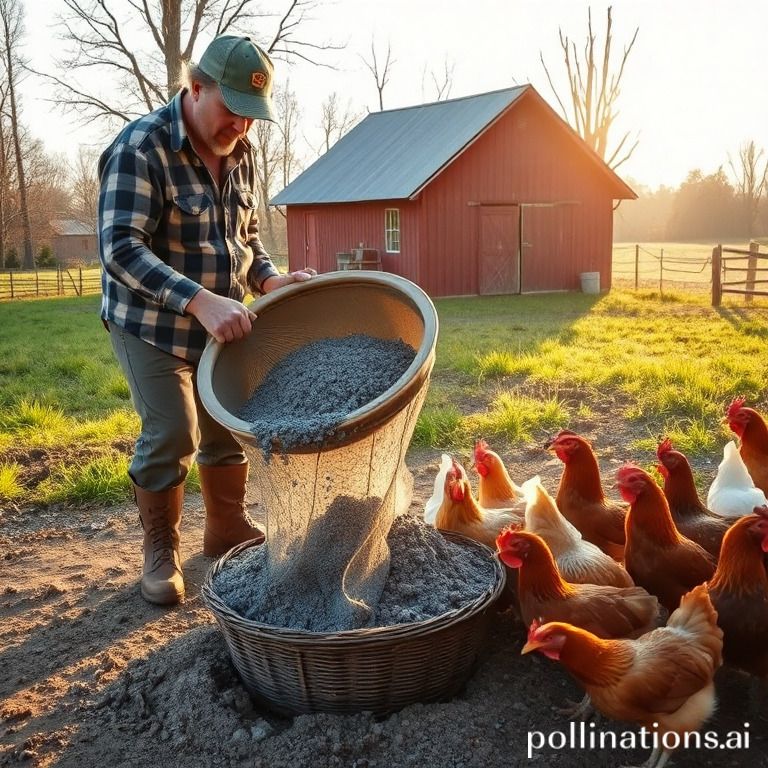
x,y
91,675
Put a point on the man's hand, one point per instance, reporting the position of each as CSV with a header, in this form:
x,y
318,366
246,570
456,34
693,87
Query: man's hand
x,y
225,319
278,281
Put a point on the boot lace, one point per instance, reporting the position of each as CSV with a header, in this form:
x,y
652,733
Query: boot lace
x,y
161,536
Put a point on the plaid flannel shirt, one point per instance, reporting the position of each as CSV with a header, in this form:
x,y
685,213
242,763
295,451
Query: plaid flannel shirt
x,y
166,231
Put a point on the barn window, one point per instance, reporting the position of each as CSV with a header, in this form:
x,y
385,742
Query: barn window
x,y
392,230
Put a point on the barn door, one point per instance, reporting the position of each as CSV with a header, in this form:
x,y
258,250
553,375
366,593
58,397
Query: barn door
x,y
311,242
499,256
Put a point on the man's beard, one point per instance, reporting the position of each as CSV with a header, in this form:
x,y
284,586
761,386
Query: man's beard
x,y
220,149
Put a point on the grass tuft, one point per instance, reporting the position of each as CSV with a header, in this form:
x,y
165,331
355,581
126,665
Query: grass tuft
x,y
517,417
10,487
439,426
105,479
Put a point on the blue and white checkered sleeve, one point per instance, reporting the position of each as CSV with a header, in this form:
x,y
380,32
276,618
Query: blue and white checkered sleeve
x,y
130,206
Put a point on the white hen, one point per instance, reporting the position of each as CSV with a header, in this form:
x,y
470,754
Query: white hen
x,y
453,507
436,499
732,493
578,560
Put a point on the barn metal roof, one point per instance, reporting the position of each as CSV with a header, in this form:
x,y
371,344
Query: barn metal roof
x,y
72,227
390,155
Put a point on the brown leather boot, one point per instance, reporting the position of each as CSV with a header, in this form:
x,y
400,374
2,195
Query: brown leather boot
x,y
227,522
162,581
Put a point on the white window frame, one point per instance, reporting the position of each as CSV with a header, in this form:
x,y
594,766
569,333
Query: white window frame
x,y
392,230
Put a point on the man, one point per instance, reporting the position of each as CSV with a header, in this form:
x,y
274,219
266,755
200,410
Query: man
x,y
180,248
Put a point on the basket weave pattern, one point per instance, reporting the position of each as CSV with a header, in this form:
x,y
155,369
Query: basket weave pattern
x,y
381,669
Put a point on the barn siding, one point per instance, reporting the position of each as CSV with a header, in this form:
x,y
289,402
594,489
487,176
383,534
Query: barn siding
x,y
343,227
526,157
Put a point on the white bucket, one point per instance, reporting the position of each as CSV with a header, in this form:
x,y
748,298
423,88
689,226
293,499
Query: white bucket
x,y
590,282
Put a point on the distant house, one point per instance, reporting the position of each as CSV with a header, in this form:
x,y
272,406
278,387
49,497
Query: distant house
x,y
486,194
74,242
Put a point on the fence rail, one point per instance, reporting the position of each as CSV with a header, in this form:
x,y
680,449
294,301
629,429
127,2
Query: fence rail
x,y
25,284
671,267
739,271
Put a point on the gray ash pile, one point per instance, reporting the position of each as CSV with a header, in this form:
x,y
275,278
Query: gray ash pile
x,y
428,577
305,396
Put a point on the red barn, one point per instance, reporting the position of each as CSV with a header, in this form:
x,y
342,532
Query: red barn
x,y
492,193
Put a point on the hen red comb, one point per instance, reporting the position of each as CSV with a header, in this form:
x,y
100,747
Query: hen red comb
x,y
629,470
736,405
535,624
506,534
665,446
481,448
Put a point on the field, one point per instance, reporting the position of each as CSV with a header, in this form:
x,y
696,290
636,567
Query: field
x,y
90,674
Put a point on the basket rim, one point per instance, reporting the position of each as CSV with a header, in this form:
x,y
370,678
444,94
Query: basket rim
x,y
366,418
363,635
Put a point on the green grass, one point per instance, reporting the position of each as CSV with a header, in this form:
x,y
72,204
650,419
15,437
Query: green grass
x,y
10,487
513,369
672,362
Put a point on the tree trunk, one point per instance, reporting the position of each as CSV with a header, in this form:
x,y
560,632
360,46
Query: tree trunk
x,y
172,37
3,187
28,261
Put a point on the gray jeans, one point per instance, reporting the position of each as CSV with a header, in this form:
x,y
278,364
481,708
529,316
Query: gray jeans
x,y
174,423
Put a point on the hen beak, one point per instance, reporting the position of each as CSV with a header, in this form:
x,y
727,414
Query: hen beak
x,y
531,645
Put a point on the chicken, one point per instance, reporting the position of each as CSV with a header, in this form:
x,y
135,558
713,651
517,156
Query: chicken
x,y
436,499
662,680
543,593
739,593
657,556
459,511
691,517
579,561
732,493
752,431
580,495
496,489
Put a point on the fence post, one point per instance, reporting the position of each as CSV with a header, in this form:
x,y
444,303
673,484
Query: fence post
x,y
717,287
59,282
754,249
637,265
80,270
37,283
661,273
10,274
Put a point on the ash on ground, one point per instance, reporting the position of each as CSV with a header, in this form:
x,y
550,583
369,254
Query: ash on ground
x,y
429,576
305,397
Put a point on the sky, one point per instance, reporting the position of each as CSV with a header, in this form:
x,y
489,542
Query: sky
x,y
695,86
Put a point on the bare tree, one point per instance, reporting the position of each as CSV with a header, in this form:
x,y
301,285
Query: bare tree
x,y
139,47
274,144
594,88
48,192
380,73
288,110
11,33
750,177
5,171
335,121
441,82
84,185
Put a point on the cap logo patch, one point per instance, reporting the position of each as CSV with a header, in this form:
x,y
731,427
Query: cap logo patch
x,y
258,79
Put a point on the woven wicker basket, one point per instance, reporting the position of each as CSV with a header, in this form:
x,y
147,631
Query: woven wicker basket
x,y
380,670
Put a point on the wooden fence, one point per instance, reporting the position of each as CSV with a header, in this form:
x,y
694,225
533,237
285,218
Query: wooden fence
x,y
672,266
740,271
26,284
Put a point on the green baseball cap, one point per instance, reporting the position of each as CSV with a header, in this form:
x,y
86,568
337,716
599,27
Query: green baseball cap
x,y
243,72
